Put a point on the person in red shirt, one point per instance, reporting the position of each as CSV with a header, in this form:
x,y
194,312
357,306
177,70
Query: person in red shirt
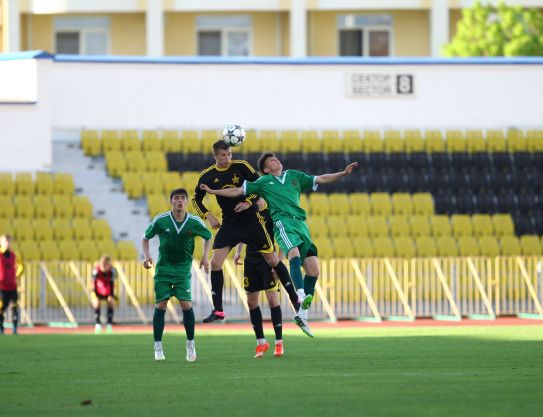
x,y
10,269
103,276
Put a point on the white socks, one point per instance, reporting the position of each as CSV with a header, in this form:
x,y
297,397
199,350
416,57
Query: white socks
x,y
190,343
260,341
158,345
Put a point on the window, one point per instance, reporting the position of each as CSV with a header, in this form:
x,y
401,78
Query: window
x,y
361,35
82,35
224,35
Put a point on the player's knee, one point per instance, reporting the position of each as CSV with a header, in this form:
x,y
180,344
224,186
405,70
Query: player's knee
x,y
252,300
273,299
185,305
161,305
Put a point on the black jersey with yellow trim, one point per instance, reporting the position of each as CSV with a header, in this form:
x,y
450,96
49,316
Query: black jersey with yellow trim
x,y
265,219
220,178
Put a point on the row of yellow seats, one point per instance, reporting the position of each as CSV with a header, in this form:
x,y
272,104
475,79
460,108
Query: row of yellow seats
x,y
424,246
158,203
414,140
83,250
23,183
138,184
135,161
57,229
415,225
45,206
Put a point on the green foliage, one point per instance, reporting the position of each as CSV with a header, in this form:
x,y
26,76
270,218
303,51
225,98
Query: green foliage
x,y
486,30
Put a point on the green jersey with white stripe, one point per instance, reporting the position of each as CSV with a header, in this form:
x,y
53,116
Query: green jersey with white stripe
x,y
282,193
176,242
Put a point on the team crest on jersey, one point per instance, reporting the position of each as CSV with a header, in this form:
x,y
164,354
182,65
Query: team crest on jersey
x,y
167,230
294,182
235,179
216,180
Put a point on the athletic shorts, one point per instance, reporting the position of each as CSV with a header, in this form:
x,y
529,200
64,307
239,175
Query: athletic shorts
x,y
294,233
252,232
7,296
100,296
258,275
167,286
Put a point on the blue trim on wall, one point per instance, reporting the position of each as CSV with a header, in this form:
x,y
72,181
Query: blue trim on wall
x,y
26,55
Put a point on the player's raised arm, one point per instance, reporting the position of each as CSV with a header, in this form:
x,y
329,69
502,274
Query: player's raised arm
x,y
329,178
227,192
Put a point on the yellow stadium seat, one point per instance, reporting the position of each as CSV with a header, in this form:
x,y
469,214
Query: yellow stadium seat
x,y
319,204
534,140
426,246
150,141
423,203
311,143
190,180
91,143
82,229
516,142
399,225
339,203
383,247
343,247
269,140
360,203
489,246
135,161
5,226
372,141
170,140
381,204
132,184
29,251
434,141
413,141
503,225
378,226
317,226
88,250
130,140
440,225
510,245
468,246
7,186
455,140
100,229
352,141
23,206
82,206
461,225
44,183
304,202
69,251
7,207
22,229
393,141
115,163
446,246
420,225
157,204
357,225
110,141
405,247
127,250
156,161
43,207
531,246
337,226
475,141
63,206
170,180
332,142
402,203
363,247
64,184
290,140
495,141
482,225
24,184
325,248
62,229
42,229
49,251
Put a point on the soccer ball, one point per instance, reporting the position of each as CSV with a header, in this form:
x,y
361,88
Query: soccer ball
x,y
233,135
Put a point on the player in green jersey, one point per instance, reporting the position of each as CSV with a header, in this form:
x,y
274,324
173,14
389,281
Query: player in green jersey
x,y
176,230
281,190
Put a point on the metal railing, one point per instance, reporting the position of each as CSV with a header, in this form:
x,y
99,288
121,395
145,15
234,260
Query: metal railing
x,y
364,289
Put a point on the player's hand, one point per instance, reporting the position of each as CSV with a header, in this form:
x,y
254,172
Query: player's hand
x,y
147,263
206,188
213,222
349,168
204,263
237,259
242,205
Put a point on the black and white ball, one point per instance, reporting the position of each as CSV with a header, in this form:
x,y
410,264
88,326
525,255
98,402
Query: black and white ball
x,y
233,135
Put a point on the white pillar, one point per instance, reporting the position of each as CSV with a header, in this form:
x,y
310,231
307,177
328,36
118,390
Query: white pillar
x,y
439,24
12,26
154,25
298,28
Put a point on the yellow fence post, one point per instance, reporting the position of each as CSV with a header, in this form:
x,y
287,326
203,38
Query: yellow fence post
x,y
532,292
81,280
58,294
362,280
399,291
448,293
130,292
486,301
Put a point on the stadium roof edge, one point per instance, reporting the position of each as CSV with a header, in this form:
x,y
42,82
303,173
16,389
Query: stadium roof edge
x,y
202,60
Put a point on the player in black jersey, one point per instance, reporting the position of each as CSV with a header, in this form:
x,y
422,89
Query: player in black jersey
x,y
241,223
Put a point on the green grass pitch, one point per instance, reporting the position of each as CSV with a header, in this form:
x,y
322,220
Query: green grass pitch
x,y
423,371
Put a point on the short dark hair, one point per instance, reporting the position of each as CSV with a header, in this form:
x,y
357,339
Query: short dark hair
x,y
262,160
220,144
177,191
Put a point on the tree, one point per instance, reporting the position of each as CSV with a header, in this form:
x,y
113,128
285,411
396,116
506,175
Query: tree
x,y
486,30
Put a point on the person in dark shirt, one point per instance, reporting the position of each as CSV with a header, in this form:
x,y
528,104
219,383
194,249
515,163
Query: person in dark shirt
x,y
11,268
103,277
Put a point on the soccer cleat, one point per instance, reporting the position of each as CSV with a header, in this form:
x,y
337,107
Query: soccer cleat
x,y
109,329
215,315
97,328
306,302
261,349
278,349
191,352
303,324
159,354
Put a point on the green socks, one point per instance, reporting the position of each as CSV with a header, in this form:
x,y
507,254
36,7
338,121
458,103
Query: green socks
x,y
296,272
158,324
188,322
309,284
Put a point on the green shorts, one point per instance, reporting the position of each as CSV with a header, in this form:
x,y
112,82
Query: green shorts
x,y
167,286
293,233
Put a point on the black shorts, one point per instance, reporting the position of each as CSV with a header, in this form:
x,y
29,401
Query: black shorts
x,y
258,275
101,297
8,296
252,232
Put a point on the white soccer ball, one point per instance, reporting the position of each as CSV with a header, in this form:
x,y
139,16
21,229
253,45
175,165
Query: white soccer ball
x,y
233,135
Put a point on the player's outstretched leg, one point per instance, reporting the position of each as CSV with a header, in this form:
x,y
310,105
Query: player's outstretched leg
x,y
158,330
217,284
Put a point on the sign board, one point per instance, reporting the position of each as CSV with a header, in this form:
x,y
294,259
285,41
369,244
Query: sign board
x,y
379,84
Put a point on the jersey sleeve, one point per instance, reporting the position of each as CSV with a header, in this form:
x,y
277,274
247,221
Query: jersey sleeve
x,y
250,175
198,198
200,229
307,182
254,187
151,230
